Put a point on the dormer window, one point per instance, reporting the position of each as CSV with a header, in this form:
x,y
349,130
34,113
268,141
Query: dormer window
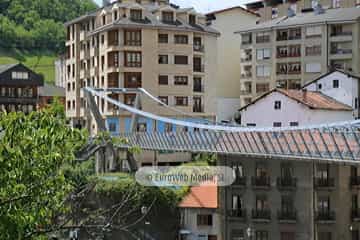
x,y
104,20
116,15
168,16
192,19
136,14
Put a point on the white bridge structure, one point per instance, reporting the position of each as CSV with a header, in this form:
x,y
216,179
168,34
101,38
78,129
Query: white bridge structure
x,y
337,142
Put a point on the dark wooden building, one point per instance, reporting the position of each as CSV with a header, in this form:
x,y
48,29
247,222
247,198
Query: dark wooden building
x,y
19,88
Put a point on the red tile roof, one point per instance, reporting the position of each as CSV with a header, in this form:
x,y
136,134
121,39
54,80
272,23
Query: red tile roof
x,y
201,197
312,99
232,8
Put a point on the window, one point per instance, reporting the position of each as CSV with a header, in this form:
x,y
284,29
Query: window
x,y
181,80
263,54
246,38
277,105
163,59
261,235
104,20
168,17
164,99
335,83
19,75
129,99
163,38
204,220
132,37
132,59
262,87
132,79
263,71
236,202
262,37
274,13
313,67
181,39
294,124
356,103
181,101
313,50
287,236
277,124
163,80
237,234
135,14
314,31
192,19
251,124
183,60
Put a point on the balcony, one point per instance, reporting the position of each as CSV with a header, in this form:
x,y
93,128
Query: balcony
x,y
261,215
325,216
287,216
246,91
239,182
199,48
355,215
286,183
198,109
326,183
341,36
342,33
199,88
262,39
341,53
355,182
260,182
246,75
238,214
247,59
199,68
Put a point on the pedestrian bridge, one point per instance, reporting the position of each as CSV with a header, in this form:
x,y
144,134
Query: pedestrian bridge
x,y
337,142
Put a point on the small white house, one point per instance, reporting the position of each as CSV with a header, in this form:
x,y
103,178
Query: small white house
x,y
199,217
340,85
284,108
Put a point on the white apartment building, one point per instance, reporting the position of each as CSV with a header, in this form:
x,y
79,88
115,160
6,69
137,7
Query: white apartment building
x,y
289,51
227,21
292,108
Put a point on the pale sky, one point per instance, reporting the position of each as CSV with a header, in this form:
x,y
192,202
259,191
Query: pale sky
x,y
204,6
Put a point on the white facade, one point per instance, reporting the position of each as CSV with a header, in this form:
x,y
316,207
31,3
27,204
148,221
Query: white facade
x,y
226,107
60,72
262,113
195,232
340,86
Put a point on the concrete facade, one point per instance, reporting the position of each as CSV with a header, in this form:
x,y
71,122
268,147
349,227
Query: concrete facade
x,y
290,200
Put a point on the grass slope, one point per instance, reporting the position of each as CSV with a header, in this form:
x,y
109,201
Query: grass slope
x,y
39,62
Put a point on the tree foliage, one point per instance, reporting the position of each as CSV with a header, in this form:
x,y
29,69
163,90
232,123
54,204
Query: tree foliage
x,y
30,24
33,150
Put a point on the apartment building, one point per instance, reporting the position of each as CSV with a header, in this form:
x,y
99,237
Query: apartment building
x,y
290,200
19,88
227,21
290,51
168,51
269,10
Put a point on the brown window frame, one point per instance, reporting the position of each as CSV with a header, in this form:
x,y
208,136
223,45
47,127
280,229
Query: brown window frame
x,y
181,39
180,103
162,81
132,37
176,60
128,76
137,64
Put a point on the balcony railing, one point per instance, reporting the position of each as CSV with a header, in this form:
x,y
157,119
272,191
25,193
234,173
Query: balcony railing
x,y
325,215
239,181
355,181
345,33
246,59
286,183
261,214
199,48
200,68
245,42
260,182
355,214
341,51
287,215
324,182
237,213
245,91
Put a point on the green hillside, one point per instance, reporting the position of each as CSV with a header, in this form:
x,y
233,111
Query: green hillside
x,y
40,62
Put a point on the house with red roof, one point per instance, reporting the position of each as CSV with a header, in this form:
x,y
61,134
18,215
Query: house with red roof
x,y
200,219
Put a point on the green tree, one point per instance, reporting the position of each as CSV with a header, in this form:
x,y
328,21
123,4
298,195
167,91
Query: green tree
x,y
33,150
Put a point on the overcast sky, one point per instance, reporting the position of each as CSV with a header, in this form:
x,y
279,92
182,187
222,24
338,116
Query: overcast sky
x,y
204,6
